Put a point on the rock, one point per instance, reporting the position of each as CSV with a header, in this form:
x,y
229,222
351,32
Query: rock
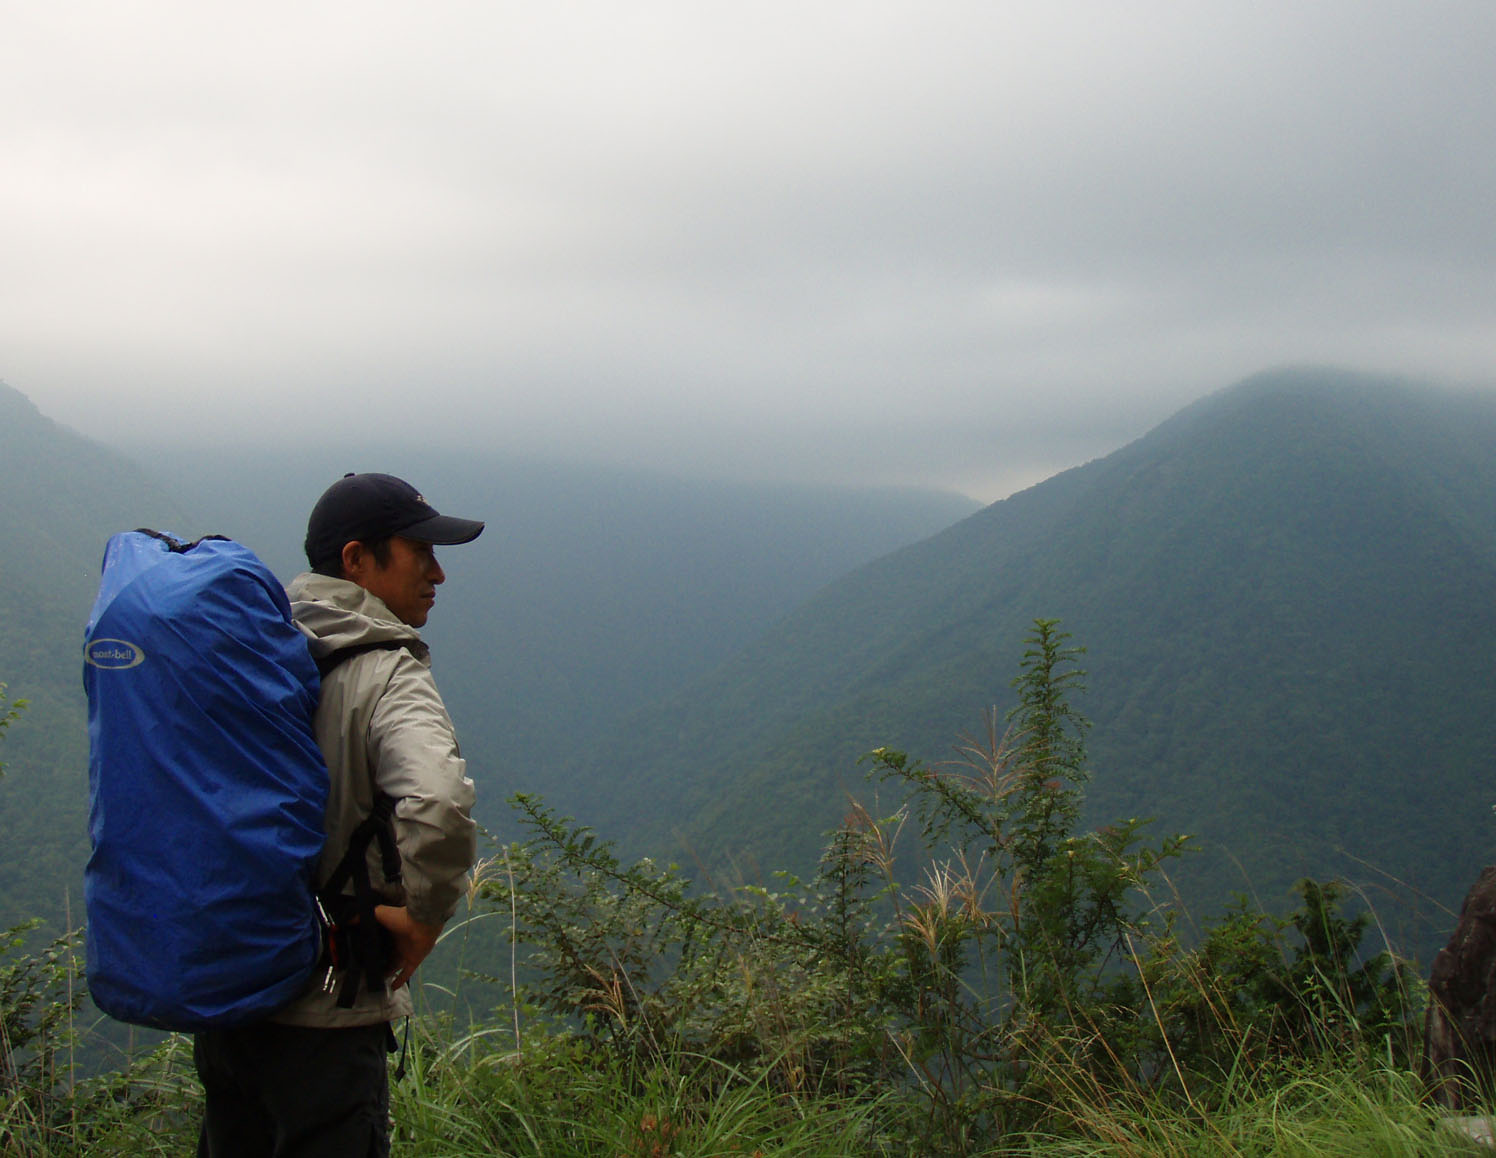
x,y
1459,1031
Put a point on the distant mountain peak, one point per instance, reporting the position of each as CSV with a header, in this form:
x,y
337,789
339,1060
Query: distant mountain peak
x,y
15,406
1285,592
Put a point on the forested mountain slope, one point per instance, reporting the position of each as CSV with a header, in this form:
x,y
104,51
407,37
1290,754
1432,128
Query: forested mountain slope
x,y
593,592
64,495
1286,593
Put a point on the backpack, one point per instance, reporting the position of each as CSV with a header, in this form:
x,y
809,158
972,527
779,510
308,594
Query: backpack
x,y
207,792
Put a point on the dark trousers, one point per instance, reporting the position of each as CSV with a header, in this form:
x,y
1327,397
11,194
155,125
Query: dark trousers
x,y
287,1091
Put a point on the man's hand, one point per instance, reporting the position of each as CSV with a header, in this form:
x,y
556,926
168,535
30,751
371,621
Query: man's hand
x,y
413,941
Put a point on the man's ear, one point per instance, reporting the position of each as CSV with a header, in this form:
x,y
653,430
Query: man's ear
x,y
355,560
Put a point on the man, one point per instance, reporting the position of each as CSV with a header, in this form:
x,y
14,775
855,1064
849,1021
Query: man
x,y
312,1080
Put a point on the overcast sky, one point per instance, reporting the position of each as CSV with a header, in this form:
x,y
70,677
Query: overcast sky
x,y
959,244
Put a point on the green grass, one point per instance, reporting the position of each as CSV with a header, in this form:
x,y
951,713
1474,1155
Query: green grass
x,y
465,1097
1025,995
559,1101
1317,1109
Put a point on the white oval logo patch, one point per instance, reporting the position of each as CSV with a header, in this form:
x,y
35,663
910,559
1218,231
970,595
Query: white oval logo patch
x,y
112,654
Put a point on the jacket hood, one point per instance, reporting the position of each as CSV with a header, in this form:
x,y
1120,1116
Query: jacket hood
x,y
336,614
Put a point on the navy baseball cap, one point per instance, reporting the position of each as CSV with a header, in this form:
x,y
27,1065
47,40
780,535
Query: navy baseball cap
x,y
364,507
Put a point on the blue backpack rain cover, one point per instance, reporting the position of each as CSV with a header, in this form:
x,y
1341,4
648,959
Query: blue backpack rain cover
x,y
206,787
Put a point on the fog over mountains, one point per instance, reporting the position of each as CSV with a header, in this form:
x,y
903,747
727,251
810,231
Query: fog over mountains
x,y
1285,592
593,592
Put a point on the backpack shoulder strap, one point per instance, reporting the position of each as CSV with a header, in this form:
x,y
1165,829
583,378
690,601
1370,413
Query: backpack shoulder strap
x,y
367,954
176,545
333,659
365,946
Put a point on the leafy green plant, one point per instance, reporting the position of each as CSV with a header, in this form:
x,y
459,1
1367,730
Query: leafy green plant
x,y
39,994
1262,991
1014,987
1019,968
1015,945
1332,997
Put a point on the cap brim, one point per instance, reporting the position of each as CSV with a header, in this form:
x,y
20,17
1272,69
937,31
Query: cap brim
x,y
443,530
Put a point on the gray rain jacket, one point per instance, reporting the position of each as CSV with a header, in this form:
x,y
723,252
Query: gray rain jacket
x,y
383,728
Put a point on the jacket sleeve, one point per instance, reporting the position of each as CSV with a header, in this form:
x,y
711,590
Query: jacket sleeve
x,y
416,760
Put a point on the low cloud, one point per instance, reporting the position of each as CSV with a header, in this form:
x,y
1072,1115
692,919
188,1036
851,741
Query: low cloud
x,y
957,245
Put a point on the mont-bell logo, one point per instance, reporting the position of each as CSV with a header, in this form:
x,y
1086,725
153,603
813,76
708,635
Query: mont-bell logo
x,y
112,654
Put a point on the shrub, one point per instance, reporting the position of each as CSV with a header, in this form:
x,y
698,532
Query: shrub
x,y
1017,972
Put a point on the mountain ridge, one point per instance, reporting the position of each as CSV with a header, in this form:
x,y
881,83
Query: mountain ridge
x,y
589,590
1284,590
1292,551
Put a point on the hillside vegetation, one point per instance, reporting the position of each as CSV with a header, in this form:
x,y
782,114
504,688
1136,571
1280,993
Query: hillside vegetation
x,y
592,593
1029,996
1285,596
1286,590
60,490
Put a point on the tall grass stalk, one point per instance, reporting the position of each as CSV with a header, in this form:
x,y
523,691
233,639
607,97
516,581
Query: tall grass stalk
x,y
561,1101
1308,1111
1018,989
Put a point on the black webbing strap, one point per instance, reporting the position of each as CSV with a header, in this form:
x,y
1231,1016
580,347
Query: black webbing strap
x,y
361,927
176,545
332,659
362,934
404,1046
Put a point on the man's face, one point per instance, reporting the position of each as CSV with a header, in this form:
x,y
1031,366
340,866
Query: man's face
x,y
407,584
